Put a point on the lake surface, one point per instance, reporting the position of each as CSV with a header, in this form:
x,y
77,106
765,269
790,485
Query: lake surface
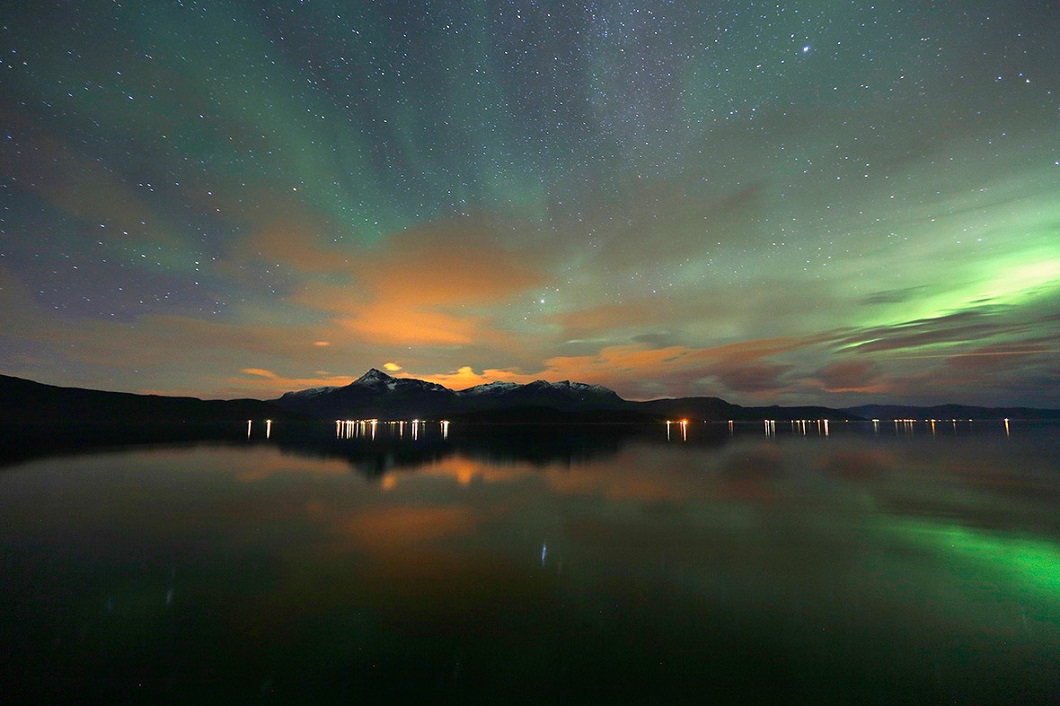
x,y
896,564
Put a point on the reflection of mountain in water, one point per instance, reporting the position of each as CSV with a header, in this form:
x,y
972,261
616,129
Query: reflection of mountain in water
x,y
538,445
23,442
498,444
394,447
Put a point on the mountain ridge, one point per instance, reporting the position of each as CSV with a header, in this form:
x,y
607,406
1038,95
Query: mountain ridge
x,y
377,394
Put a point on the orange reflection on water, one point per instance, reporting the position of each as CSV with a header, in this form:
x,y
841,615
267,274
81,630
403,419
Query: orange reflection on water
x,y
385,527
465,470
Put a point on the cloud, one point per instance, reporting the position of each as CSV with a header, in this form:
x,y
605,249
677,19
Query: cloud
x,y
260,372
667,220
453,263
289,237
609,318
761,380
82,187
465,377
849,376
961,327
894,296
396,325
158,353
269,383
640,371
437,285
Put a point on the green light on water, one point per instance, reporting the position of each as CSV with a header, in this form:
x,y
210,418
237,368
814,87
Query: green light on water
x,y
1023,562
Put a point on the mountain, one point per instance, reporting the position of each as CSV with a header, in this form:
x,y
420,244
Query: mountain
x,y
564,395
490,389
693,408
950,411
373,395
378,395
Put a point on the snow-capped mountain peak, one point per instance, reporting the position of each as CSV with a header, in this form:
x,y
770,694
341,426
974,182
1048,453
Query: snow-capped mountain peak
x,y
490,388
374,377
311,392
377,394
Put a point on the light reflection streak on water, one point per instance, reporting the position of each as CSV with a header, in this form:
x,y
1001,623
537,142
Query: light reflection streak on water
x,y
683,423
354,428
367,428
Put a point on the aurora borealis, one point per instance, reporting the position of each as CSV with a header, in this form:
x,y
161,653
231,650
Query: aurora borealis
x,y
806,202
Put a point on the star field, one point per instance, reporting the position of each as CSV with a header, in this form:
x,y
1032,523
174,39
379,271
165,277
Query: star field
x,y
809,202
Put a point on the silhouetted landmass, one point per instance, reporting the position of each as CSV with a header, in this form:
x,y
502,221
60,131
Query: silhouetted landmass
x,y
36,418
26,401
552,415
715,409
378,395
951,411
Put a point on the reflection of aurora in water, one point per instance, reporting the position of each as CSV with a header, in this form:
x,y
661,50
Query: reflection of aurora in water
x,y
850,567
1025,562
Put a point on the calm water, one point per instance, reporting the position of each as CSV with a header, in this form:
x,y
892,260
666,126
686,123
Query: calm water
x,y
529,565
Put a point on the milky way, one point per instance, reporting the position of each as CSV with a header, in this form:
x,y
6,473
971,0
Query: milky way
x,y
828,202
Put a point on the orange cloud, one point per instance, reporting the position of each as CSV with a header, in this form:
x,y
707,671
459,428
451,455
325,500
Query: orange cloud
x,y
261,372
742,367
455,263
466,377
290,241
426,286
268,382
397,325
850,376
608,317
632,363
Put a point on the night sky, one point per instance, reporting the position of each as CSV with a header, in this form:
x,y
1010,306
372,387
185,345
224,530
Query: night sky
x,y
788,202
